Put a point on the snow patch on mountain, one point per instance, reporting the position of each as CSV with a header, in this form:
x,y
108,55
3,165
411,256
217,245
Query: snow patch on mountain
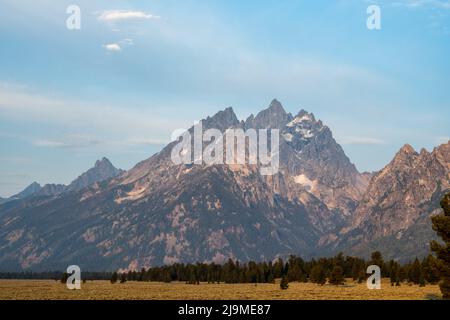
x,y
132,195
297,120
305,181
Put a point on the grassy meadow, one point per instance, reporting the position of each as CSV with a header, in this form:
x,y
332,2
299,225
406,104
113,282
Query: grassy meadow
x,y
51,290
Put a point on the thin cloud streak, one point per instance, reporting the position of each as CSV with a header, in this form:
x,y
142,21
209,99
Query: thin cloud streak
x,y
121,125
361,140
117,15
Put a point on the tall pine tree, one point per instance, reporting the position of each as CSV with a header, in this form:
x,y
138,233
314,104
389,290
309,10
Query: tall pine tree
x,y
337,276
114,277
318,275
441,224
415,272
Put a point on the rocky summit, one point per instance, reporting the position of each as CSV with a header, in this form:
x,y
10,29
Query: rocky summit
x,y
160,212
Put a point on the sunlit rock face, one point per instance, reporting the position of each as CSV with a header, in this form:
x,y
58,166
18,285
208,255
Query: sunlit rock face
x,y
159,212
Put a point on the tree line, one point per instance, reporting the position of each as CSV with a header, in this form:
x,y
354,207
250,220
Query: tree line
x,y
333,270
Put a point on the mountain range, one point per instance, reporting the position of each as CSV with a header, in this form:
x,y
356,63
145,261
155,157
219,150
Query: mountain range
x,y
159,212
102,170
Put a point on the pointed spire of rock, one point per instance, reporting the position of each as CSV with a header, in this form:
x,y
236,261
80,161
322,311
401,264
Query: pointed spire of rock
x,y
407,148
222,120
274,117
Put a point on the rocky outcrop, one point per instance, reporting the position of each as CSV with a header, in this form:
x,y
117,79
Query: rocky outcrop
x,y
394,214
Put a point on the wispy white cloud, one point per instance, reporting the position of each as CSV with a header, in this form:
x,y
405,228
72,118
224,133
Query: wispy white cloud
x,y
109,125
114,47
361,140
70,141
118,46
49,143
120,15
79,141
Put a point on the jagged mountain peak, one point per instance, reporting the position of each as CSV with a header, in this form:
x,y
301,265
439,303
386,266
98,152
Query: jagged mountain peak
x,y
442,154
305,115
29,190
394,212
405,156
34,185
445,147
227,113
222,120
276,106
103,169
407,148
103,162
423,152
274,117
305,118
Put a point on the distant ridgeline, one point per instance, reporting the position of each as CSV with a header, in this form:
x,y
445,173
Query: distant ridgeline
x,y
294,269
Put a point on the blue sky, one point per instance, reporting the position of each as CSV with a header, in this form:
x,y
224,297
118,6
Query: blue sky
x,y
137,70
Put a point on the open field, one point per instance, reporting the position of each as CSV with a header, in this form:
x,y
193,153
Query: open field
x,y
50,289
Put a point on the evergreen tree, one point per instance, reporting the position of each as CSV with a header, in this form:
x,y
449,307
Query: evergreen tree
x,y
430,268
64,277
441,224
143,275
123,278
270,278
421,280
377,259
337,276
295,272
278,268
338,260
114,277
284,283
362,275
318,275
415,272
394,273
166,277
403,273
393,277
355,271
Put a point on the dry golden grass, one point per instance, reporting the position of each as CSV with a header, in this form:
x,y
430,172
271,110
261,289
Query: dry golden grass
x,y
49,289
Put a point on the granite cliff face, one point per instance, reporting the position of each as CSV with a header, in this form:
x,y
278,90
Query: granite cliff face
x,y
159,212
394,213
